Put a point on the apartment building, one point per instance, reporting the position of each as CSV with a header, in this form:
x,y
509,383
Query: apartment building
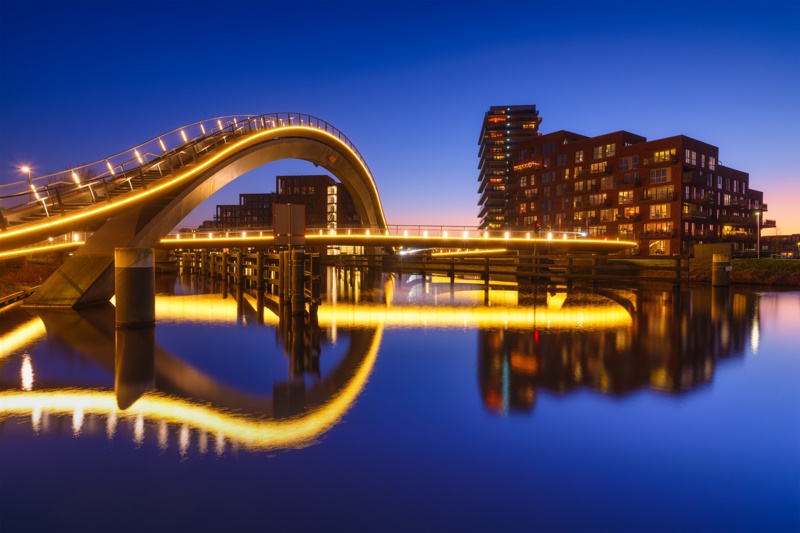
x,y
504,127
667,194
328,204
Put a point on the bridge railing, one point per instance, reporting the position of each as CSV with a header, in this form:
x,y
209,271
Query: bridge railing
x,y
410,230
155,154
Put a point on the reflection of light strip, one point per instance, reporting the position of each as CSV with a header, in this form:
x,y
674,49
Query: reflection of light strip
x,y
21,336
152,190
215,309
19,252
251,432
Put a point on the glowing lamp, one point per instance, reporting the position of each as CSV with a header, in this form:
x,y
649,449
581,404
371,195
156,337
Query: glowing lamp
x,y
183,134
549,236
25,169
465,234
75,177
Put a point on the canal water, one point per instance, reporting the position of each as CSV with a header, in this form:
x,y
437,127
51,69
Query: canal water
x,y
408,404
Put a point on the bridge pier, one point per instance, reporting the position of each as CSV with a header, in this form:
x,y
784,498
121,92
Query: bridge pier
x,y
135,286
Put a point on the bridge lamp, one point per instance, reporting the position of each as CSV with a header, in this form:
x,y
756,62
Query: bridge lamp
x,y
549,236
485,234
50,239
202,128
178,237
565,237
583,234
110,168
405,233
209,235
445,234
425,234
244,234
194,236
226,234
75,177
466,234
163,148
367,233
183,134
320,233
139,157
219,123
260,233
348,232
506,235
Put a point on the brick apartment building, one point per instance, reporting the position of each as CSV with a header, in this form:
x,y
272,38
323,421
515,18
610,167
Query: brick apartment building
x,y
328,204
667,194
783,246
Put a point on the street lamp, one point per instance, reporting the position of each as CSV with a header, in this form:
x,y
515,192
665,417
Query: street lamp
x,y
28,170
758,234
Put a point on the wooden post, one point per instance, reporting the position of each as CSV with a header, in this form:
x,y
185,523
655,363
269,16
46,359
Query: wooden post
x,y
224,269
260,271
569,269
240,268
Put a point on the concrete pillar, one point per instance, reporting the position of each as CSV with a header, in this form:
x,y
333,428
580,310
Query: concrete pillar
x,y
298,289
240,268
260,271
135,286
286,277
721,270
224,268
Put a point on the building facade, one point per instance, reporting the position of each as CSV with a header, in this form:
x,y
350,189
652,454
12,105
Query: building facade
x,y
328,204
504,127
783,246
667,194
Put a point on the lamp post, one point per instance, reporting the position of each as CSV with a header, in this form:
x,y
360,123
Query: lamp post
x,y
30,185
758,234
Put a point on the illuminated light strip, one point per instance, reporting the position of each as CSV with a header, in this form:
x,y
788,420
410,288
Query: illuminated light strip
x,y
152,190
470,252
20,252
21,336
251,432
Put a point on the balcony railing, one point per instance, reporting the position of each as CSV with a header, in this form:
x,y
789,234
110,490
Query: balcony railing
x,y
768,224
593,172
621,183
661,234
694,215
660,161
693,177
669,197
738,236
635,217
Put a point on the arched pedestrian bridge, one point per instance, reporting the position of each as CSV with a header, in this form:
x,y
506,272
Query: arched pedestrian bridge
x,y
134,198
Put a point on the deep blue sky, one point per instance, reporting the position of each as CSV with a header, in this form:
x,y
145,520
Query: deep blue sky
x,y
407,82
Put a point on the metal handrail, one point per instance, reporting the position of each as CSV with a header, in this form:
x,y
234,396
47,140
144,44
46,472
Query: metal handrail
x,y
145,155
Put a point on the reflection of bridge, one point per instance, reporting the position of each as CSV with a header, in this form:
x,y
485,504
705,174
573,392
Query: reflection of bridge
x,y
134,198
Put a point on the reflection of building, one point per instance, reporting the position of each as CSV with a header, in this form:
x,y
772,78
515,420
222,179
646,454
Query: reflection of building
x,y
668,193
328,204
503,128
672,346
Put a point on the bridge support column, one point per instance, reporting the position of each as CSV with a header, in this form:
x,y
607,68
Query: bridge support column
x,y
240,268
224,268
298,275
260,272
134,364
135,287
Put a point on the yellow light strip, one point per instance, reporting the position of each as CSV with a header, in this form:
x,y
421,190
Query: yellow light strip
x,y
253,433
155,189
20,252
470,252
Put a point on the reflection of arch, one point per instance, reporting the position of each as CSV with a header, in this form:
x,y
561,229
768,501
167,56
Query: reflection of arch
x,y
142,217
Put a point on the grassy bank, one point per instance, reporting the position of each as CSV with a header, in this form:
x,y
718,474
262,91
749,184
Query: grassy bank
x,y
777,272
20,274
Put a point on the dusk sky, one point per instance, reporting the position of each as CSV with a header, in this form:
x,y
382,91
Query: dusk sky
x,y
407,82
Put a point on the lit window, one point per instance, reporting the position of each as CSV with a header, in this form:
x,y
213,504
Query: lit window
x,y
579,156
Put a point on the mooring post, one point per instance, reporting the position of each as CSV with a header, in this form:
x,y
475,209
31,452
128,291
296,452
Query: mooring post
x,y
224,269
259,271
721,270
135,287
298,289
240,268
569,270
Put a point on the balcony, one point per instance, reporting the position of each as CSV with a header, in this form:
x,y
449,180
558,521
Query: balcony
x,y
768,224
635,217
661,161
664,234
693,177
736,219
596,172
698,234
701,200
659,197
620,183
607,202
738,236
694,215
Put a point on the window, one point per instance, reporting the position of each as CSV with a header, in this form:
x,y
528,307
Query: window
x,y
597,152
607,183
546,162
659,211
611,149
578,170
522,208
659,175
631,212
688,158
712,163
565,173
597,199
694,158
660,193
598,167
545,149
735,186
559,189
625,230
630,178
663,155
561,160
523,181
719,182
703,160
579,156
623,163
523,154
579,185
625,197
635,162
606,215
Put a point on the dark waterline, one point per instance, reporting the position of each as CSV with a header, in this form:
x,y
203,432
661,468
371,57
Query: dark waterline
x,y
412,405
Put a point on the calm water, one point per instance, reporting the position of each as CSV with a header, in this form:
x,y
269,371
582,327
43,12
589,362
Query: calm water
x,y
410,406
